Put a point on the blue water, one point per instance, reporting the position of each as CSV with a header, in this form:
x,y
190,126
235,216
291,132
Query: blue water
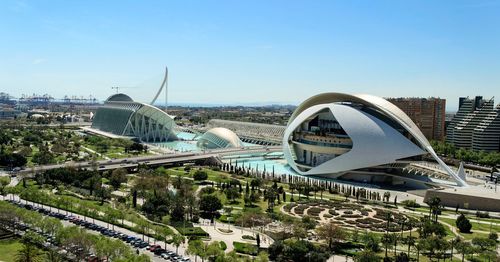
x,y
282,168
180,146
185,136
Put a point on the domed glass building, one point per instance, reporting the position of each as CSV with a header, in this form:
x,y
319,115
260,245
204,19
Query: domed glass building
x,y
356,137
219,137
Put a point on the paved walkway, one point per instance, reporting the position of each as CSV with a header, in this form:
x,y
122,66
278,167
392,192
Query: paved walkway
x,y
236,234
94,152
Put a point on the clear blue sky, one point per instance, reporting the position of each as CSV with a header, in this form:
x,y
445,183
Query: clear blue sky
x,y
251,51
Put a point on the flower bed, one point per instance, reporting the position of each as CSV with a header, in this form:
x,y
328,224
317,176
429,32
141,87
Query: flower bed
x,y
289,207
314,211
333,212
299,210
351,216
248,237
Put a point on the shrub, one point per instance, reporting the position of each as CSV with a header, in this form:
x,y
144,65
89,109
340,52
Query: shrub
x,y
245,248
333,212
410,203
207,190
463,224
248,237
482,214
223,245
493,236
225,230
314,211
192,231
200,175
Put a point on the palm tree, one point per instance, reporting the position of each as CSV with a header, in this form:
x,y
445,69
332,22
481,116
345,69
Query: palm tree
x,y
292,188
29,253
453,243
386,241
177,240
434,208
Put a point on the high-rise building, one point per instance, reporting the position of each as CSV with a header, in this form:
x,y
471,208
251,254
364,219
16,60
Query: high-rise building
x,y
427,113
476,125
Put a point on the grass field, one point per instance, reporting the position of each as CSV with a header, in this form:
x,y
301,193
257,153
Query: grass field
x,y
8,249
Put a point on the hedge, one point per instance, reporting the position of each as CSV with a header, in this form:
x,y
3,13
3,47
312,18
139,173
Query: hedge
x,y
245,248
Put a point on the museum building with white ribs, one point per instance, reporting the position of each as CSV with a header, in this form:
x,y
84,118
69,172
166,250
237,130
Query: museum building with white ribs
x,y
355,137
122,116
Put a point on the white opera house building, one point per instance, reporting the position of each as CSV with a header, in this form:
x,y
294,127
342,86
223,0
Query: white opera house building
x,y
360,138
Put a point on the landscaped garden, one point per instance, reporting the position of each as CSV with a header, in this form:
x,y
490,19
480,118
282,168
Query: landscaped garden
x,y
350,215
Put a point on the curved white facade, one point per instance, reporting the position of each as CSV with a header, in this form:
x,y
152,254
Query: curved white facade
x,y
219,137
334,133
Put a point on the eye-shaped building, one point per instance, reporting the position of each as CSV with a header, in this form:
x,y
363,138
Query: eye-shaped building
x,y
358,137
219,137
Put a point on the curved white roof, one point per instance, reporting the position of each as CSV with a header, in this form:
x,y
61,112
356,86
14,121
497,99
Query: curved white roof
x,y
219,137
374,141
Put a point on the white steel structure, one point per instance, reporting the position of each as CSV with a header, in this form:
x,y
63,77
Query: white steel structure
x,y
219,137
120,115
334,134
256,133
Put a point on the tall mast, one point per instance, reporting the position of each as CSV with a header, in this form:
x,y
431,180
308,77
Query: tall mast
x,y
163,84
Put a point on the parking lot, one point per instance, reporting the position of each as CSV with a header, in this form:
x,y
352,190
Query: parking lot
x,y
157,250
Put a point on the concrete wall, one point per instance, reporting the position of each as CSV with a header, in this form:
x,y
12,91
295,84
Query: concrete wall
x,y
451,199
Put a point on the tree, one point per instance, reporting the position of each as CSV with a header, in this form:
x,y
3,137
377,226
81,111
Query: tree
x,y
299,231
177,240
164,232
196,247
213,249
367,256
434,245
103,193
493,236
402,257
463,224
308,222
371,242
232,193
434,208
210,204
331,233
484,244
4,181
387,240
118,176
464,248
200,175
257,239
29,252
387,196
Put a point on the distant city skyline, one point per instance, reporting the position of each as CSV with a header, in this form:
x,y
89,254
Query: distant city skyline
x,y
258,52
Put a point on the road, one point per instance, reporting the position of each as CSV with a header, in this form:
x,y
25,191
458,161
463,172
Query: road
x,y
156,160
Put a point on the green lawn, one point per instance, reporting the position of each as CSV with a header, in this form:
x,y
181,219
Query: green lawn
x,y
475,225
8,249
